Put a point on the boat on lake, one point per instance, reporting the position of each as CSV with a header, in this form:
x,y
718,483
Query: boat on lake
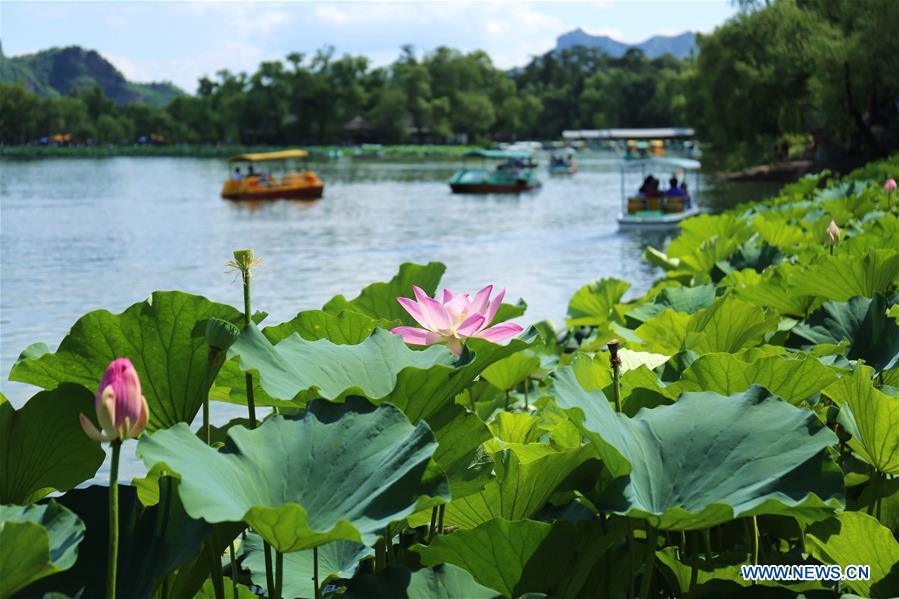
x,y
560,164
513,175
647,204
272,176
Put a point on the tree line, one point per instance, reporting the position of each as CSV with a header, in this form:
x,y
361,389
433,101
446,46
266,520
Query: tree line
x,y
816,73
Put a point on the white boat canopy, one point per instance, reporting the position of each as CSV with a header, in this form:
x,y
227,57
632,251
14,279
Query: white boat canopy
x,y
661,161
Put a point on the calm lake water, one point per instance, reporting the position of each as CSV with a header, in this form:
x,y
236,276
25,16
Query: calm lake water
x,y
83,234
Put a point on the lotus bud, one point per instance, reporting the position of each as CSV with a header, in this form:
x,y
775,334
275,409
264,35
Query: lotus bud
x,y
833,233
890,185
121,409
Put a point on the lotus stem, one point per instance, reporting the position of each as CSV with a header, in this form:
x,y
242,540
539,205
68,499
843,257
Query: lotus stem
x,y
632,559
616,372
527,380
215,572
440,514
507,401
206,430
279,573
691,555
651,540
707,540
113,560
433,526
755,541
231,556
269,573
318,591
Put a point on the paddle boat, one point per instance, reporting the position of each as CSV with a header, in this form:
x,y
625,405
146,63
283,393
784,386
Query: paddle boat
x,y
648,204
513,175
272,176
562,165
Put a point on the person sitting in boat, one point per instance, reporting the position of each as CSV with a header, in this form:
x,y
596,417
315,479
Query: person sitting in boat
x,y
647,184
673,189
237,175
652,188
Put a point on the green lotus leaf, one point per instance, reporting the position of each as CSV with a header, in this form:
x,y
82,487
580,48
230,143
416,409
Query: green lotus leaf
x,y
840,278
423,384
347,328
459,435
722,578
660,259
36,541
636,377
509,372
296,367
664,333
422,393
516,427
695,231
679,299
793,379
751,254
164,337
753,454
595,303
339,559
207,591
297,482
526,477
872,417
443,581
378,300
153,543
526,556
775,292
728,325
852,538
707,255
863,322
44,448
778,233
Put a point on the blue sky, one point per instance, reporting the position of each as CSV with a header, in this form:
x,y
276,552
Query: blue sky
x,y
181,41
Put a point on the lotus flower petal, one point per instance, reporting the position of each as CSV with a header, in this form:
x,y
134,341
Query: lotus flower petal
x,y
479,304
91,431
470,325
414,310
500,331
416,336
494,306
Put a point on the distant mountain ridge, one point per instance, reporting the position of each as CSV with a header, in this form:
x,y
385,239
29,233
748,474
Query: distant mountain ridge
x,y
680,46
59,71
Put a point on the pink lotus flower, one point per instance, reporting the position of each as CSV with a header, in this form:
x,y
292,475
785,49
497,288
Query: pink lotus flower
x,y
455,319
890,185
121,409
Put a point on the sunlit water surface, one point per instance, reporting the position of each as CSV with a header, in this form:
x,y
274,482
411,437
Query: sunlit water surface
x,y
84,234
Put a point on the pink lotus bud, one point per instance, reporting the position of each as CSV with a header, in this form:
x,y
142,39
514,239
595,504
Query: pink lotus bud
x,y
833,233
890,185
121,409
